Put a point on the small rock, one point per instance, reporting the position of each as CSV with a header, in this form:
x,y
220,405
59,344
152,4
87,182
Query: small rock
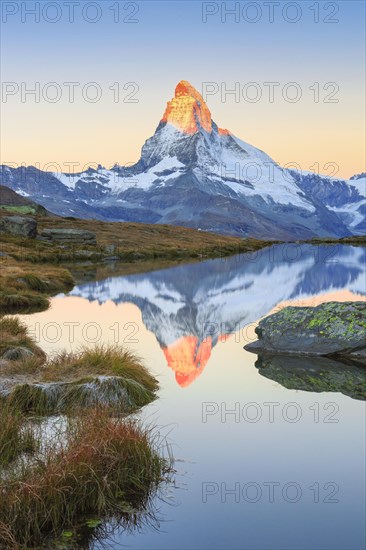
x,y
110,249
87,254
110,258
138,256
15,354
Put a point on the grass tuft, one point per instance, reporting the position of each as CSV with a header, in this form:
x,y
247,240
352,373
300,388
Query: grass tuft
x,y
101,376
22,302
100,467
33,282
15,437
107,360
14,334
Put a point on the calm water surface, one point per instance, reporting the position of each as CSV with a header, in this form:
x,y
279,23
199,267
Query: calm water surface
x,y
258,466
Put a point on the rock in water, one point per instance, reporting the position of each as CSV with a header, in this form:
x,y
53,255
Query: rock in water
x,y
19,226
332,328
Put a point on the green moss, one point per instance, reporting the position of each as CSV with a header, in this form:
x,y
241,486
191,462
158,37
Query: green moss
x,y
333,318
19,209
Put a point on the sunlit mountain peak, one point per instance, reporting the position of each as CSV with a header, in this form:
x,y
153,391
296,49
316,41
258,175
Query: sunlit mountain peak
x,y
187,111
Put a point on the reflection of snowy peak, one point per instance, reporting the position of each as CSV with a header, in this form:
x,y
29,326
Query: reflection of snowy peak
x,y
193,173
222,296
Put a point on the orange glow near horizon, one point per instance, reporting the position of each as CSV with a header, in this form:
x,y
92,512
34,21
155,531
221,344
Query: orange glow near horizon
x,y
187,357
336,296
314,145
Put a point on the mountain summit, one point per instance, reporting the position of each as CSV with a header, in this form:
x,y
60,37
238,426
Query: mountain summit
x,y
187,111
193,173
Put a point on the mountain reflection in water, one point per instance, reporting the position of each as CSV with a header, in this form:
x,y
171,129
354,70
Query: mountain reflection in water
x,y
191,307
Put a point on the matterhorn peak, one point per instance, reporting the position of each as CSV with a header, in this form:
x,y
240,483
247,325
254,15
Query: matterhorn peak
x,y
184,88
188,111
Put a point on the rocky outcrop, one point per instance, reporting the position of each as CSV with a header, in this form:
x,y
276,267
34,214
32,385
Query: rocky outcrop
x,y
69,236
333,328
18,226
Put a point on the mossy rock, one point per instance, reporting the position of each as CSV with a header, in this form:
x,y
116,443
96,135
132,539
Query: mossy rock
x,y
330,328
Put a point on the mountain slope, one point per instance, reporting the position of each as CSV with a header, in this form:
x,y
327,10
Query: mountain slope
x,y
344,197
11,201
192,173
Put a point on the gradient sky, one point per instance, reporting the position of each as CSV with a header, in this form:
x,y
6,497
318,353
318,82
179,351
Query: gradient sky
x,y
170,42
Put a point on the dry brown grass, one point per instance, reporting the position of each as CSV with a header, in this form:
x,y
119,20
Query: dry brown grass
x,y
28,276
103,375
133,242
13,334
112,360
16,436
138,236
100,466
24,287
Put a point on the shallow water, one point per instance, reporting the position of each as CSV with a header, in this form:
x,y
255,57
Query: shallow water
x,y
258,466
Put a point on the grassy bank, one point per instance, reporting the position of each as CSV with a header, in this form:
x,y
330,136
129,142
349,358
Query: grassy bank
x,y
25,287
16,344
99,463
102,466
354,240
129,242
106,376
98,467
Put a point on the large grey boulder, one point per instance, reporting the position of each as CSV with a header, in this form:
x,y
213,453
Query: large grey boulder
x,y
331,328
18,226
73,236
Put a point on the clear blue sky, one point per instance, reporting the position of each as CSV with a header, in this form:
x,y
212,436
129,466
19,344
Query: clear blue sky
x,y
170,42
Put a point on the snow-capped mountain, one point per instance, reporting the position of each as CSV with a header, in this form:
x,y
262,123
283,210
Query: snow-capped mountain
x,y
347,198
193,173
190,308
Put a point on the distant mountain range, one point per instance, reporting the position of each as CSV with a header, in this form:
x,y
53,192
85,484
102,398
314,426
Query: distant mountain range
x,y
193,173
189,308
